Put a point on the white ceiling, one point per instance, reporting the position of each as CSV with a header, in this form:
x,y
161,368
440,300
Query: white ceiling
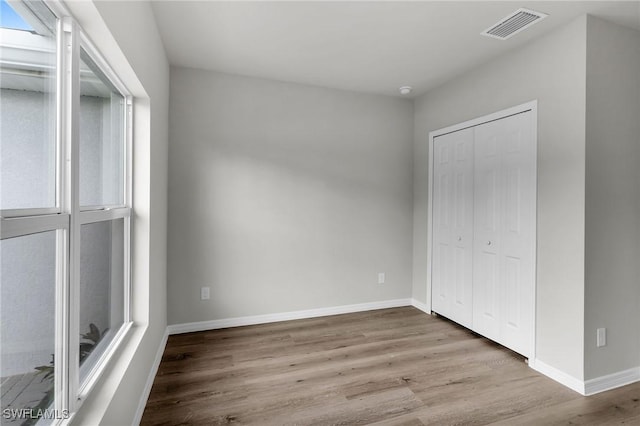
x,y
364,46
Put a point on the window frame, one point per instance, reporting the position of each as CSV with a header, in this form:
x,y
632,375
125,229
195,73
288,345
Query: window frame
x,y
67,217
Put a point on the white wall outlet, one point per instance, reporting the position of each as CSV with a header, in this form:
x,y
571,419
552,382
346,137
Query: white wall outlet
x,y
601,337
205,293
381,277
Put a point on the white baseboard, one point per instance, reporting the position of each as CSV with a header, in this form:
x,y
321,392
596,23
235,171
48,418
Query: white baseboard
x,y
152,375
591,386
285,316
612,381
558,375
419,305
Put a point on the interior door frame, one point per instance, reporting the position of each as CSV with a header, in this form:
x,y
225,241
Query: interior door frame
x,y
527,106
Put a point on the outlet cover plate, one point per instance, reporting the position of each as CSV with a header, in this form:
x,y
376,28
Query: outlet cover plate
x,y
205,293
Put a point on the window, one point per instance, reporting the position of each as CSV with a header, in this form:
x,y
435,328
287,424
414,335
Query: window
x,y
101,138
65,201
28,105
27,334
101,289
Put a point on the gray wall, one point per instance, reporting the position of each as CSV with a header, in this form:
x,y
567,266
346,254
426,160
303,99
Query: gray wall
x,y
612,287
551,70
285,197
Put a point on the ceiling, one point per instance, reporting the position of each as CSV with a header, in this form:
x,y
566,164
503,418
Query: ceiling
x,y
364,46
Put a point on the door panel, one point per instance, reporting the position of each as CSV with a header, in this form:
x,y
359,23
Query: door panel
x,y
441,276
453,226
504,226
513,202
513,302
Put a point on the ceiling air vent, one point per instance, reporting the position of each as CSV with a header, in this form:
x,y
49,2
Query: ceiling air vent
x,y
514,23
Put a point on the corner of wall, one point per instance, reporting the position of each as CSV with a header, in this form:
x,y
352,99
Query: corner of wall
x,y
612,200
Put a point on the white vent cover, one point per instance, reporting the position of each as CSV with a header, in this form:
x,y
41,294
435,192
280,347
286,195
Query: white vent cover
x,y
514,23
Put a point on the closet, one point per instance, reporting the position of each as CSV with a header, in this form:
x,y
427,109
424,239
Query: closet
x,y
483,223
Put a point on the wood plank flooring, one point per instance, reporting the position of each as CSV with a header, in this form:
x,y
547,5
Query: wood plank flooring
x,y
387,367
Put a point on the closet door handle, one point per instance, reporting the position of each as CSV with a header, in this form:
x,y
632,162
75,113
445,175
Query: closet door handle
x,y
488,243
459,238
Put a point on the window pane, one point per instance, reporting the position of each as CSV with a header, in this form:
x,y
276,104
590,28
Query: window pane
x,y
27,326
101,289
102,138
27,108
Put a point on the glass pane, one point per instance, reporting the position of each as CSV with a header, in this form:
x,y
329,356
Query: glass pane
x,y
101,289
102,137
27,107
27,326
9,18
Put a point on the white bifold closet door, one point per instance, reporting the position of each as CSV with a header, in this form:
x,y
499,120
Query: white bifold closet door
x,y
453,226
504,231
483,222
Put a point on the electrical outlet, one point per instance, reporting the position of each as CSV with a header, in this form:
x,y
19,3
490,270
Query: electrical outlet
x,y
205,293
601,337
381,277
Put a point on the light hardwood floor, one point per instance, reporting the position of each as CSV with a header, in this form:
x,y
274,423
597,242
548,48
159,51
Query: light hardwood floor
x,y
387,367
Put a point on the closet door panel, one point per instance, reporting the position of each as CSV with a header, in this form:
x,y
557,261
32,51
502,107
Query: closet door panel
x,y
518,233
442,195
487,219
453,226
504,231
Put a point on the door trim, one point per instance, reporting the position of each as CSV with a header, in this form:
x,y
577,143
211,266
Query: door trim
x,y
519,109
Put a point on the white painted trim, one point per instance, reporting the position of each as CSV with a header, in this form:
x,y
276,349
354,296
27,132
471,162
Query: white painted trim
x,y
19,226
591,386
150,379
95,372
531,105
92,51
419,305
534,111
69,112
285,316
9,213
612,381
103,215
558,375
430,222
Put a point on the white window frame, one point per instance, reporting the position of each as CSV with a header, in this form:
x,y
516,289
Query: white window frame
x,y
67,217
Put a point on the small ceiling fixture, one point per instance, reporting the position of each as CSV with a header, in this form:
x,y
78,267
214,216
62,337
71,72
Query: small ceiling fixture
x,y
514,23
405,90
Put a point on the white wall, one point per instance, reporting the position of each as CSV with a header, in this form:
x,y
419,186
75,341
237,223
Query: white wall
x,y
285,197
126,34
612,287
551,70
